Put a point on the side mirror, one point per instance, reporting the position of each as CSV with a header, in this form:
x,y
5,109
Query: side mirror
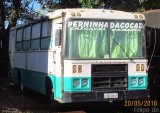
x,y
58,37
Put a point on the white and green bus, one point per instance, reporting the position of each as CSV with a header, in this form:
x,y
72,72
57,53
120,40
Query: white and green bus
x,y
82,55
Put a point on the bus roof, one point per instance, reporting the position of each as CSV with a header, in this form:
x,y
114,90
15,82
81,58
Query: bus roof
x,y
96,13
91,13
152,18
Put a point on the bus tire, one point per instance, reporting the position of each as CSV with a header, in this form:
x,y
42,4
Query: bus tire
x,y
19,78
49,93
20,84
23,89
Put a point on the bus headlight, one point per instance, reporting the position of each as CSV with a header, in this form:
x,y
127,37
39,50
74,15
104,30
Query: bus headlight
x,y
140,81
142,67
79,68
133,81
138,67
76,82
74,69
84,82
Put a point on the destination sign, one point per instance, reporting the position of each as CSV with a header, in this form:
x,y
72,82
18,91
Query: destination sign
x,y
102,25
84,25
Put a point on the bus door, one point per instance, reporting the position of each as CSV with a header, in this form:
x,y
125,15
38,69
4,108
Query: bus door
x,y
57,49
57,58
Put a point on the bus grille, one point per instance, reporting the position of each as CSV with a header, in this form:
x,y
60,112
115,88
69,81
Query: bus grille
x,y
111,77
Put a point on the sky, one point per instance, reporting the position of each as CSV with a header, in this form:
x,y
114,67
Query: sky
x,y
36,8
36,5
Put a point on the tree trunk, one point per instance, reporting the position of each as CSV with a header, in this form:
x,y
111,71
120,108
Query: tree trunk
x,y
3,43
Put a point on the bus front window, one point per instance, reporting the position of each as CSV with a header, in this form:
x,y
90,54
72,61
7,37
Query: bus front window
x,y
103,39
86,39
127,40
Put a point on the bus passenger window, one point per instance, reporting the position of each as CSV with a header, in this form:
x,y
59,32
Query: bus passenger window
x,y
35,40
19,40
18,46
26,38
46,38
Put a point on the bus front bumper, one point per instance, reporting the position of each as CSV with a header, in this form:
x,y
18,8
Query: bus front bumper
x,y
69,97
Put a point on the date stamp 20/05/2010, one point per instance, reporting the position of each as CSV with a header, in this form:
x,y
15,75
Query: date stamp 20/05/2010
x,y
140,103
143,106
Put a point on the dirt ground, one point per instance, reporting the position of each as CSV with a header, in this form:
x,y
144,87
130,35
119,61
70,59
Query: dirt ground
x,y
12,100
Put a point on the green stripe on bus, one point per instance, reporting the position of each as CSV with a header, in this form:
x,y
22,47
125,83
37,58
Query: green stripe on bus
x,y
36,81
69,85
135,82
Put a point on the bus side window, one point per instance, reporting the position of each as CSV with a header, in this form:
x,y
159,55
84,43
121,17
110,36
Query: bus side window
x,y
26,38
58,37
19,40
35,37
46,36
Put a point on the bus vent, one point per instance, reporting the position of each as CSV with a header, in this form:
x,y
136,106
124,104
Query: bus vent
x,y
111,77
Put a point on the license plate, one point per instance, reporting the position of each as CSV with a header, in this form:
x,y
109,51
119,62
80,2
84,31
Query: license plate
x,y
110,95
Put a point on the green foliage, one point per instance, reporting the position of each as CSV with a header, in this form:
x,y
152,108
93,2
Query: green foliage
x,y
150,4
90,3
125,5
15,10
86,3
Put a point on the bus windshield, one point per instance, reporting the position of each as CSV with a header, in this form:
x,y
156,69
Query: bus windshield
x,y
91,39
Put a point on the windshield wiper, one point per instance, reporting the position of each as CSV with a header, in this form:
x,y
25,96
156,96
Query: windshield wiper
x,y
131,59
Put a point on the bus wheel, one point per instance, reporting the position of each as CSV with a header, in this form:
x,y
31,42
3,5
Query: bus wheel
x,y
49,92
20,84
23,89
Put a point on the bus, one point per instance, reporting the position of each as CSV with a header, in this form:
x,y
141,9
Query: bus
x,y
81,55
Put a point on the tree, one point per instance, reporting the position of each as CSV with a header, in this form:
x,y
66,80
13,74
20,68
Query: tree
x,y
132,5
150,4
125,5
91,3
10,12
51,5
